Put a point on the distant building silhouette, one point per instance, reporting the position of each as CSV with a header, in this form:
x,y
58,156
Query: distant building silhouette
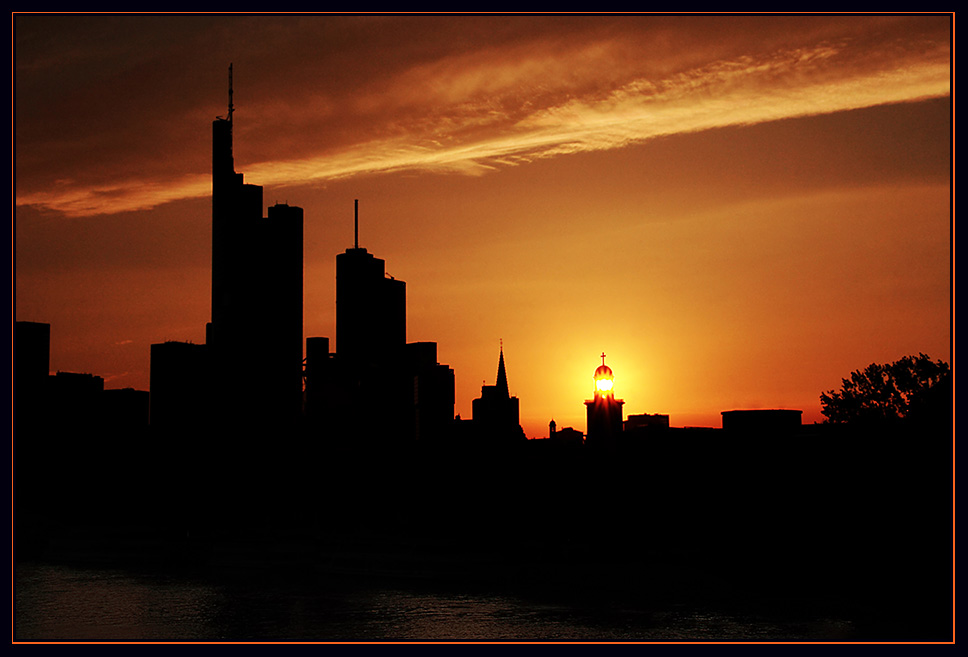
x,y
432,393
51,406
566,436
321,383
180,385
77,398
31,369
762,422
646,424
125,409
603,411
496,413
74,441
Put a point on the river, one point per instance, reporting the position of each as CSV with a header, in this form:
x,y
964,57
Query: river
x,y
58,603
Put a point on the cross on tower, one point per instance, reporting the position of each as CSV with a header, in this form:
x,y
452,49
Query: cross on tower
x,y
603,358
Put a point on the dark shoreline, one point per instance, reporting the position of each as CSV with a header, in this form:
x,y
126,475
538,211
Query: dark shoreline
x,y
847,526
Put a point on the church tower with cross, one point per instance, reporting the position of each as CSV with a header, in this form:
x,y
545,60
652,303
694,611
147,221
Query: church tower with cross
x,y
603,411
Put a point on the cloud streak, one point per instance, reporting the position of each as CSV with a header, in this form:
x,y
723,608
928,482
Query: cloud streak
x,y
472,113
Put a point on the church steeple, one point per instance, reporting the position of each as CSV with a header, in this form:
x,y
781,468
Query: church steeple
x,y
502,376
496,412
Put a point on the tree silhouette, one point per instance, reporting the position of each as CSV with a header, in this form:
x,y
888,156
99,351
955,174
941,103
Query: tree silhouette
x,y
911,388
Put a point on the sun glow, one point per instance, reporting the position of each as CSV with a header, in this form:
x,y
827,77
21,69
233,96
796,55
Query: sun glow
x,y
603,378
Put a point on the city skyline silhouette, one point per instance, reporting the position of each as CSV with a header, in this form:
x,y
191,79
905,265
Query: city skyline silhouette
x,y
741,253
214,377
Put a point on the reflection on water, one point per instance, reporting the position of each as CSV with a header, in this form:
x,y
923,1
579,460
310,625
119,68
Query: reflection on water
x,y
56,603
63,604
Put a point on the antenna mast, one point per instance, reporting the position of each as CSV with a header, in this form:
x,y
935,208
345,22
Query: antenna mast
x,y
356,223
231,107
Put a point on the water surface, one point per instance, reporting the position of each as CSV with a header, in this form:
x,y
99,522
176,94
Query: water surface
x,y
60,603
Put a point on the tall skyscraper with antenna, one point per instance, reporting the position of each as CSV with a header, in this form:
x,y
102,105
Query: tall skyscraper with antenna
x,y
255,336
371,307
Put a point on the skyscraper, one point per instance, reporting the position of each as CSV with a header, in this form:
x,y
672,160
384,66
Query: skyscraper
x,y
371,334
371,308
376,388
255,334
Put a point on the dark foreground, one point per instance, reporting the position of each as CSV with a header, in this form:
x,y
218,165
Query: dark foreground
x,y
831,537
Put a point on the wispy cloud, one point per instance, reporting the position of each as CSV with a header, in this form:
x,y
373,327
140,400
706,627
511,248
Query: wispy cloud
x,y
123,196
477,112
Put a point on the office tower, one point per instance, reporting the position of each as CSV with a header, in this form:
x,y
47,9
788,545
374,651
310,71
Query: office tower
x,y
255,334
432,393
371,308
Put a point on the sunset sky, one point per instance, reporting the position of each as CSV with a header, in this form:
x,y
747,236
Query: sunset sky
x,y
739,211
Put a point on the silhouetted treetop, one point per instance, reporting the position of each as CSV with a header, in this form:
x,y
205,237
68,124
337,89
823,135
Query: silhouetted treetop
x,y
914,387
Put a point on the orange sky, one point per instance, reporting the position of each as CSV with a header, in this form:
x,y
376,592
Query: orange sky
x,y
738,211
